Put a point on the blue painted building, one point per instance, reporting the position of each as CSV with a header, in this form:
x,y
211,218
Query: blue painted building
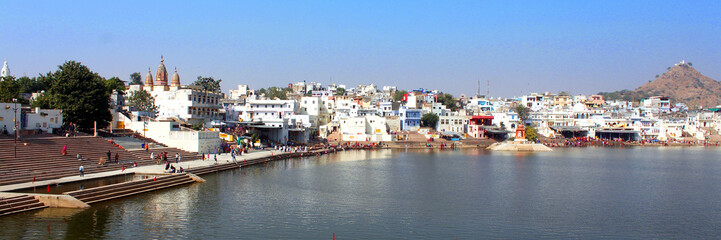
x,y
410,118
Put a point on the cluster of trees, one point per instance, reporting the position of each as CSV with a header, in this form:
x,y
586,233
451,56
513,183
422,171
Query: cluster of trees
x,y
276,92
208,83
398,95
82,95
448,100
625,95
429,120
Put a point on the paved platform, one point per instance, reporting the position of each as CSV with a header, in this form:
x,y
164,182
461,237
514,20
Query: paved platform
x,y
150,169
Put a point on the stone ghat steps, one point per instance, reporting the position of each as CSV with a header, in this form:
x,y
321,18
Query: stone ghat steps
x,y
49,174
19,204
120,190
41,158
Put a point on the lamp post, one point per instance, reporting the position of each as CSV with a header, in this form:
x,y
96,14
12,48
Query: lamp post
x,y
15,127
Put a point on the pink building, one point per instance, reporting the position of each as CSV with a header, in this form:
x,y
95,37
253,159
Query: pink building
x,y
477,126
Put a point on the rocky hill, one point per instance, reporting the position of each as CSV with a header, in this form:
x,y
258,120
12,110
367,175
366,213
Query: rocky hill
x,y
683,83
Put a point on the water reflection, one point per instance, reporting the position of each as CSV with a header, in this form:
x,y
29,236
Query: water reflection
x,y
466,194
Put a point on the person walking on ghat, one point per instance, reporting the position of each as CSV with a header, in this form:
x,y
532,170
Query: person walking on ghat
x,y
109,154
177,157
65,150
81,170
117,157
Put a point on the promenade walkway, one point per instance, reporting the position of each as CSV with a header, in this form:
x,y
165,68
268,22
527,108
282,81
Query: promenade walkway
x,y
148,169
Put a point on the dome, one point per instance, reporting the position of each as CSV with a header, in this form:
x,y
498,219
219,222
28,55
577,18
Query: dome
x,y
161,76
149,79
175,81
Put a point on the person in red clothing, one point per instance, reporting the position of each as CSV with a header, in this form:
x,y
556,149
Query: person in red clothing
x,y
65,150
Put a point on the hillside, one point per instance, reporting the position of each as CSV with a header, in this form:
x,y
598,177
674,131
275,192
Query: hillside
x,y
681,83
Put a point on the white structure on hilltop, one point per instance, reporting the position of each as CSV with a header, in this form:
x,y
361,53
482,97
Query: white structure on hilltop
x,y
5,70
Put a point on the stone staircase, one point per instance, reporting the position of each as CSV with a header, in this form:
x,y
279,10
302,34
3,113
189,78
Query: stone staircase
x,y
18,204
114,191
40,158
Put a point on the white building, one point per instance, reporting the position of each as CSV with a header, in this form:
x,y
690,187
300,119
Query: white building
x,y
170,134
9,113
452,124
185,103
239,93
44,119
369,128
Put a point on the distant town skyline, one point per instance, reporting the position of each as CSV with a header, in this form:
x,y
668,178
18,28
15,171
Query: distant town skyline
x,y
518,47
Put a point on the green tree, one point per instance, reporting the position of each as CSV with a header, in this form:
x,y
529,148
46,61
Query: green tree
x,y
197,126
448,100
81,94
276,92
531,134
522,112
43,101
398,95
208,83
136,79
31,85
429,120
340,92
9,89
143,101
115,84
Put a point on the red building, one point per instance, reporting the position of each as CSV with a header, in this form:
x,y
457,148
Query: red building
x,y
477,126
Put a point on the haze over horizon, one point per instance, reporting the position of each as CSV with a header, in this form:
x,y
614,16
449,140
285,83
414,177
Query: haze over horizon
x,y
520,47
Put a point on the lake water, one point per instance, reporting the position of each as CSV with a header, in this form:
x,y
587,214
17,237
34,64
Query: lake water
x,y
592,193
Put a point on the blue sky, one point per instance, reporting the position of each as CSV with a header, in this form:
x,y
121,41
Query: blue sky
x,y
518,46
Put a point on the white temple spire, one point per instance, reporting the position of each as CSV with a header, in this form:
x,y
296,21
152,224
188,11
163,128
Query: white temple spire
x,y
5,70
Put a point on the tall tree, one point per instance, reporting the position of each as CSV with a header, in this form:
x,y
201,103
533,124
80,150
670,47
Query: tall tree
x,y
208,83
143,101
31,85
522,112
115,84
136,79
398,95
531,133
429,120
276,92
448,100
9,89
81,94
340,92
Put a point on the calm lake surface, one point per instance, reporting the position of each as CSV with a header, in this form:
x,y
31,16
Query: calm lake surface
x,y
592,193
